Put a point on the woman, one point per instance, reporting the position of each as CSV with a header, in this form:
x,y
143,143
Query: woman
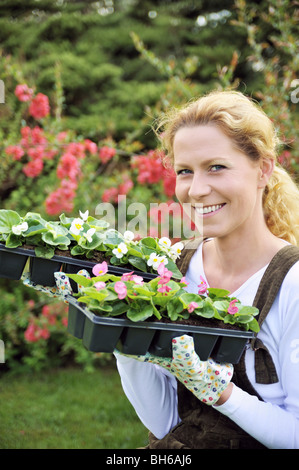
x,y
223,150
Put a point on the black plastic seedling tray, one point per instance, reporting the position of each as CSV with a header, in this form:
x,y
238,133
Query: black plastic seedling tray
x,y
13,261
104,334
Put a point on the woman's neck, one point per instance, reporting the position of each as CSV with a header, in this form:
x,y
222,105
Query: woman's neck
x,y
229,262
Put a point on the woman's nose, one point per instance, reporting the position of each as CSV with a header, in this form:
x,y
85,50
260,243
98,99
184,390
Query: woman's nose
x,y
199,187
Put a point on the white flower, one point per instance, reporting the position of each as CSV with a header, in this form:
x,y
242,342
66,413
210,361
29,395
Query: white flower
x,y
176,249
88,235
163,259
165,242
18,229
84,216
77,226
120,251
129,236
155,260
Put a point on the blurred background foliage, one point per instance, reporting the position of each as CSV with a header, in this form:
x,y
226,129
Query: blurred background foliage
x,y
109,69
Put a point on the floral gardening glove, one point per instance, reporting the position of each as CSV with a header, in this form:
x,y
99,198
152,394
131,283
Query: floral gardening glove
x,y
205,379
62,288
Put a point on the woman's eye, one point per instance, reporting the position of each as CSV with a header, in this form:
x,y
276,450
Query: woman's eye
x,y
183,172
215,168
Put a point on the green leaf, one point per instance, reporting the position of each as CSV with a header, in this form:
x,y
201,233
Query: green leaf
x,y
138,263
171,266
248,310
187,298
141,311
13,241
44,252
82,280
254,326
213,292
221,305
8,218
174,308
149,242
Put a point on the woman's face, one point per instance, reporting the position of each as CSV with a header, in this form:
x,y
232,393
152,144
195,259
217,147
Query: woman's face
x,y
219,186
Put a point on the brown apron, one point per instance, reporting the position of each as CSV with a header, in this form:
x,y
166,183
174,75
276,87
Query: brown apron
x,y
202,426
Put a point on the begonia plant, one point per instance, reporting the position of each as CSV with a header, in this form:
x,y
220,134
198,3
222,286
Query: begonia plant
x,y
162,297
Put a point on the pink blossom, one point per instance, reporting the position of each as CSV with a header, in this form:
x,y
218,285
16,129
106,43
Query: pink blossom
x,y
106,153
61,200
33,168
183,280
165,274
127,276
90,146
39,106
68,167
100,285
150,168
132,277
110,195
121,289
36,153
203,287
23,92
164,289
34,333
15,151
192,306
100,269
232,309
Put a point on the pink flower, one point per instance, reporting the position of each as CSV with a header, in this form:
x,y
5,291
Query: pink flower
x,y
137,279
100,285
100,269
164,289
164,273
110,195
132,277
68,167
39,106
90,146
23,92
33,168
127,276
192,306
232,309
121,289
183,281
61,200
15,150
203,287
106,153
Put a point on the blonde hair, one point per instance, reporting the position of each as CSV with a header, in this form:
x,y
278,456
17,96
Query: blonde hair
x,y
252,132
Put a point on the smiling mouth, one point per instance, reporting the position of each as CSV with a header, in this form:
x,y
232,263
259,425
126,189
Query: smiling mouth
x,y
208,209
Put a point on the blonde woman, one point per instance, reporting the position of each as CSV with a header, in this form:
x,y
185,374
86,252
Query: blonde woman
x,y
223,149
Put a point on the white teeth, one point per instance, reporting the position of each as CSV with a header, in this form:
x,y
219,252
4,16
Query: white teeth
x,y
208,209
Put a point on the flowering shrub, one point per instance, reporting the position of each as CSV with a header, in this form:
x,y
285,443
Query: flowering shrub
x,y
41,149
129,295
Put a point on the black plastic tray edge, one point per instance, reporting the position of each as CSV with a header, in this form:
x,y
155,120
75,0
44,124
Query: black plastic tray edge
x,y
97,320
77,262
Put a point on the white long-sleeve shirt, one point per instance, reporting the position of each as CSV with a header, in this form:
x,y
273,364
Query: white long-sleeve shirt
x,y
275,421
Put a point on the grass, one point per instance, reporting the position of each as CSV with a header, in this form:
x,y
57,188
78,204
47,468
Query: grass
x,y
68,409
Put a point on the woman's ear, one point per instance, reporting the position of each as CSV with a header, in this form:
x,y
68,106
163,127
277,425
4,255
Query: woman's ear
x,y
266,169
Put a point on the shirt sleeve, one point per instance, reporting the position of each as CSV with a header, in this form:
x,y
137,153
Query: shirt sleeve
x,y
269,424
275,421
152,391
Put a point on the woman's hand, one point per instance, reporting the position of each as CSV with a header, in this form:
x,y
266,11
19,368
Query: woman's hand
x,y
208,380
